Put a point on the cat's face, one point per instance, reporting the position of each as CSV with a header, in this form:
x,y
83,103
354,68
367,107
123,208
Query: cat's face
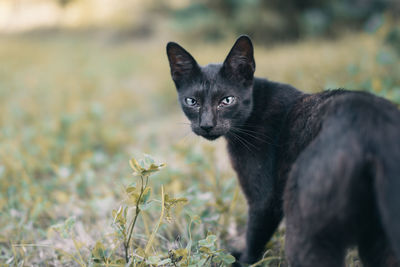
x,y
218,97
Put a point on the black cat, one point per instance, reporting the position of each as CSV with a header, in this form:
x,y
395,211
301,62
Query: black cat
x,y
329,162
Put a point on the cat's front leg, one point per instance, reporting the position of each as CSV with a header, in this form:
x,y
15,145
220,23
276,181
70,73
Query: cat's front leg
x,y
263,220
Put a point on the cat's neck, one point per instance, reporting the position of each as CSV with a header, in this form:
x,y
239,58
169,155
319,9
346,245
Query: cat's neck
x,y
271,103
272,100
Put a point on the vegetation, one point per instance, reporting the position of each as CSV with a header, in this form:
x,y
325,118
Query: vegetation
x,y
75,108
275,21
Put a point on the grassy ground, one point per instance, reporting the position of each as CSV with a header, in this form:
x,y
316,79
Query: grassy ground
x,y
74,109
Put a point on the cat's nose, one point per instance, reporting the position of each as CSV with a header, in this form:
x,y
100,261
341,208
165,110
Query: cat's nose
x,y
206,127
206,120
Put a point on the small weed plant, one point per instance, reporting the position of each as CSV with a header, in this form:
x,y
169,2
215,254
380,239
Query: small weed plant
x,y
128,251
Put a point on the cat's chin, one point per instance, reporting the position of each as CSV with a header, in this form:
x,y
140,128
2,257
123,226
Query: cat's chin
x,y
210,137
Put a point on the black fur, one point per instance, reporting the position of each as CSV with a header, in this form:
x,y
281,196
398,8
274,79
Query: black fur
x,y
329,161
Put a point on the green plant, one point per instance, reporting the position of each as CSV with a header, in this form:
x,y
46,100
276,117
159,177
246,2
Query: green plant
x,y
204,252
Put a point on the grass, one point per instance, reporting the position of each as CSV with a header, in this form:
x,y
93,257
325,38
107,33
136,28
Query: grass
x,y
74,109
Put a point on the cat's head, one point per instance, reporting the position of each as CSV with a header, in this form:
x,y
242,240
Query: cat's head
x,y
216,97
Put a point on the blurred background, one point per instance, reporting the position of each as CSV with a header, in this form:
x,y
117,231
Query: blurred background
x,y
85,85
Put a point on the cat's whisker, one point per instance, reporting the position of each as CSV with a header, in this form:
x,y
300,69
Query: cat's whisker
x,y
255,132
251,131
235,138
251,135
248,142
243,141
255,135
252,128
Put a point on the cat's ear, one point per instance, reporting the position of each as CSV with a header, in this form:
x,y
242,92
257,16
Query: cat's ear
x,y
182,64
240,64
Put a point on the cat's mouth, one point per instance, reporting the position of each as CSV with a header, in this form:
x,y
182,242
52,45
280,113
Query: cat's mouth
x,y
210,137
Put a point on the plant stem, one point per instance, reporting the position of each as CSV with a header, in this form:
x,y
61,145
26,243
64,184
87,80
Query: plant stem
x,y
265,259
137,211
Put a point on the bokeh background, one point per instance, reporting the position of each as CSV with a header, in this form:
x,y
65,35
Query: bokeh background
x,y
85,86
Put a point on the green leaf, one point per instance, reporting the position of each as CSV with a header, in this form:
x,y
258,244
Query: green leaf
x,y
204,249
216,259
227,258
182,253
146,167
98,252
146,195
135,166
148,160
132,199
130,189
178,255
69,223
208,242
211,239
152,168
141,163
119,216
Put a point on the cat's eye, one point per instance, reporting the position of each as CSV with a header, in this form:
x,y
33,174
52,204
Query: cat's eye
x,y
191,101
226,101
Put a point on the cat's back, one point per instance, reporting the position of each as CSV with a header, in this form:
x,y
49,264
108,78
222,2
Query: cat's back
x,y
340,117
345,110
369,119
352,105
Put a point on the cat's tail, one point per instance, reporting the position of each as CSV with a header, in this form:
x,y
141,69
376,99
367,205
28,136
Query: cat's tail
x,y
387,186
